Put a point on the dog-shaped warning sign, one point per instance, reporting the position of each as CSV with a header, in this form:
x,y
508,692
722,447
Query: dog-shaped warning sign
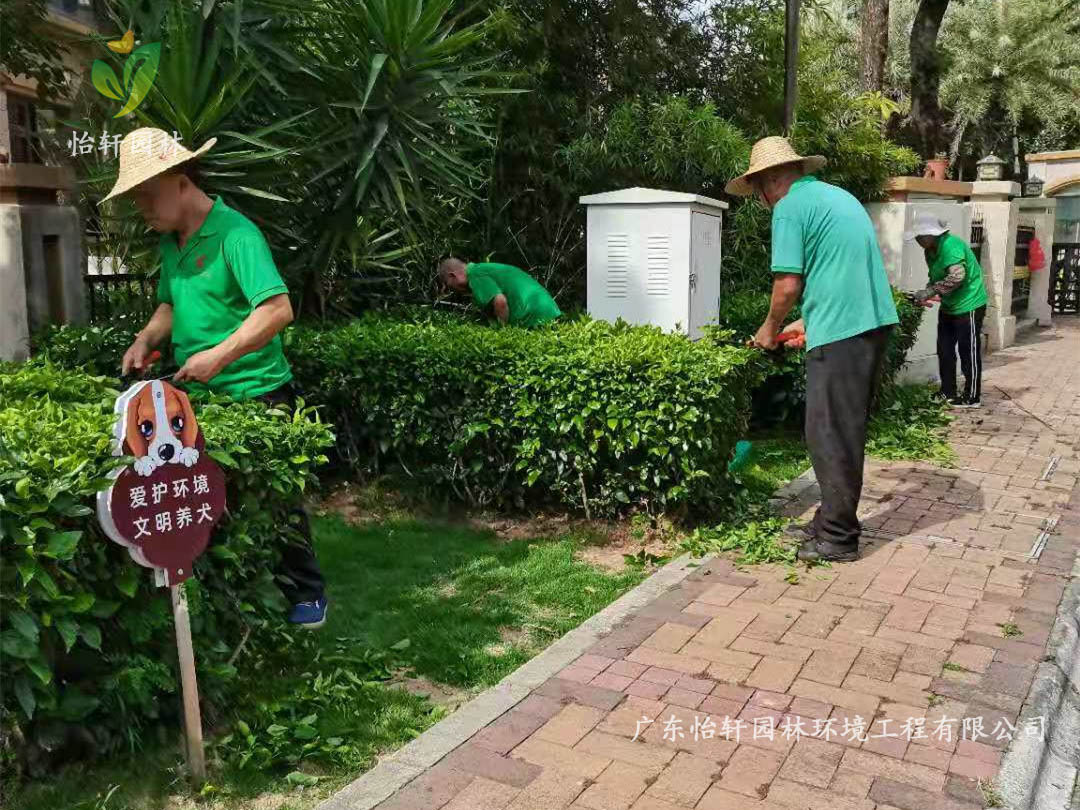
x,y
162,507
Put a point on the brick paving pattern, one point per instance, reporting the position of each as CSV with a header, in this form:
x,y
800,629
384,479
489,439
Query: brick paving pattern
x,y
871,661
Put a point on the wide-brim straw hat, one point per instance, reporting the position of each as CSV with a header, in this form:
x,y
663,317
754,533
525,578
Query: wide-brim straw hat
x,y
147,152
926,225
766,154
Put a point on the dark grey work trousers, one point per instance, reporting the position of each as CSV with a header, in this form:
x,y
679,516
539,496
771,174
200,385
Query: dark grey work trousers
x,y
841,379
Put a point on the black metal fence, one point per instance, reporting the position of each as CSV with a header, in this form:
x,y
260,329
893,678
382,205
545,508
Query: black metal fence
x,y
112,290
110,295
1021,296
1065,278
978,236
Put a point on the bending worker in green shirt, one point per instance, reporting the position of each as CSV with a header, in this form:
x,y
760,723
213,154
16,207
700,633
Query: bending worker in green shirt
x,y
955,275
507,293
825,252
222,306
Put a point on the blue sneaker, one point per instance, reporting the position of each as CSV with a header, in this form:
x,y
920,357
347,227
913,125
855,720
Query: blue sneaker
x,y
309,615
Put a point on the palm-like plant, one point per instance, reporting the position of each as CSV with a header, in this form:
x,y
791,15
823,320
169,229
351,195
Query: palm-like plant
x,y
1010,60
329,115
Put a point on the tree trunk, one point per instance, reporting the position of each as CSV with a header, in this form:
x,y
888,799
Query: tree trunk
x,y
874,43
926,114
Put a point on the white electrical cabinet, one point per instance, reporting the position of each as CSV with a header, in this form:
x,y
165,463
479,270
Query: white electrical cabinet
x,y
654,258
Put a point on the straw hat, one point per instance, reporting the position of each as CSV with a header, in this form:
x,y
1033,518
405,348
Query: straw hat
x,y
148,152
926,225
767,153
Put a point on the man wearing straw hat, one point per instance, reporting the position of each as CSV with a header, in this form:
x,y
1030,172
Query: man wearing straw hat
x,y
222,304
957,277
825,256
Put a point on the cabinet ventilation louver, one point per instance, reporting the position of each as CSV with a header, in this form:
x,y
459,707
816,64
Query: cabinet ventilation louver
x,y
658,277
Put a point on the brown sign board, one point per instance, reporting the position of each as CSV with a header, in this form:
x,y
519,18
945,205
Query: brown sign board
x,y
164,505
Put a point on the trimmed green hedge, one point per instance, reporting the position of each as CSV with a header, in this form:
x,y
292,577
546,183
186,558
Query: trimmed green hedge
x,y
586,414
782,394
87,640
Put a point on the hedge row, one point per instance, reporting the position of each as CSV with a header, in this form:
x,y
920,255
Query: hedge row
x,y
587,414
584,414
87,640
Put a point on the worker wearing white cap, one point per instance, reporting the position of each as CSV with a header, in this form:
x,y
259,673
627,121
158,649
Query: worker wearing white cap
x,y
957,277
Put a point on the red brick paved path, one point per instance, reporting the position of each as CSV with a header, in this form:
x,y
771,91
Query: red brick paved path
x,y
908,641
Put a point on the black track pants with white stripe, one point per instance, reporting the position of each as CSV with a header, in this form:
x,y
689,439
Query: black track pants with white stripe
x,y
961,334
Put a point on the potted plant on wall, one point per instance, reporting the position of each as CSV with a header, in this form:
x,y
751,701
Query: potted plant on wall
x,y
937,167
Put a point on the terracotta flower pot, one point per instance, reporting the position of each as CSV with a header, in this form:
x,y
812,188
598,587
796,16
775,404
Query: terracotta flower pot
x,y
936,168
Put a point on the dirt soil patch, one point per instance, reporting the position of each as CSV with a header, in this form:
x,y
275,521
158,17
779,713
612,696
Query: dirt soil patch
x,y
605,543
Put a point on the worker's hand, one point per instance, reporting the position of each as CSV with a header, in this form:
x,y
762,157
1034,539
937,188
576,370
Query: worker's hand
x,y
136,358
796,327
922,296
765,337
201,367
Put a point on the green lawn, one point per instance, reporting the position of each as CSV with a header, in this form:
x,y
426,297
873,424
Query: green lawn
x,y
410,599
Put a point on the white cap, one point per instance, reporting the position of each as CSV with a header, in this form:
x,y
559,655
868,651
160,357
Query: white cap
x,y
926,225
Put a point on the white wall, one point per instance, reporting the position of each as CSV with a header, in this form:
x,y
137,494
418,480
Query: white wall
x,y
906,267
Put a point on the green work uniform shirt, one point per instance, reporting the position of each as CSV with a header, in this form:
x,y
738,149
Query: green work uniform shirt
x,y
822,233
529,303
213,283
971,294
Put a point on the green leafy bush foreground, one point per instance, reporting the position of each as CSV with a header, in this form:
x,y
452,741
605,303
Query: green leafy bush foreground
x,y
587,414
86,639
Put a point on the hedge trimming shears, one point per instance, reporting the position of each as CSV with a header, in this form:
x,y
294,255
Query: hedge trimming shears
x,y
137,373
791,340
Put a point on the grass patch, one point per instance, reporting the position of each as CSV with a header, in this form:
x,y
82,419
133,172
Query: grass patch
x,y
991,795
444,604
910,423
1010,630
448,596
953,667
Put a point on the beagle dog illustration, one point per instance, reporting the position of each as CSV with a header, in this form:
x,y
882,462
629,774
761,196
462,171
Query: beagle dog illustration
x,y
161,428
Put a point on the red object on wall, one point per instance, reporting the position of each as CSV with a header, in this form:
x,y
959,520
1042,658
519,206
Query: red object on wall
x,y
1036,257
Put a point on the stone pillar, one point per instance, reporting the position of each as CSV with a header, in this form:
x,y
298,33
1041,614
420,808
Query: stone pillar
x,y
1042,211
910,198
991,203
14,325
41,255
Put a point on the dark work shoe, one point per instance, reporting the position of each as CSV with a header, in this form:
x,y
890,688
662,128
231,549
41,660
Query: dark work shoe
x,y
968,403
816,551
957,402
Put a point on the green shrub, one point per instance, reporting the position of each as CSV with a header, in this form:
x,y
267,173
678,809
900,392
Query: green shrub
x,y
87,639
586,414
95,349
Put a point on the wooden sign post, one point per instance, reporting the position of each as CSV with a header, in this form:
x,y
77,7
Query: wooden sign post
x,y
162,509
196,758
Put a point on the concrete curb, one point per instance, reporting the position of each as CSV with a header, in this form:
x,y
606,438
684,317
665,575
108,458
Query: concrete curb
x,y
1041,771
401,767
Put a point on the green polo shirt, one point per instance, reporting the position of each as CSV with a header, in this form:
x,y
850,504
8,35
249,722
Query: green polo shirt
x,y
529,303
213,283
971,294
824,234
